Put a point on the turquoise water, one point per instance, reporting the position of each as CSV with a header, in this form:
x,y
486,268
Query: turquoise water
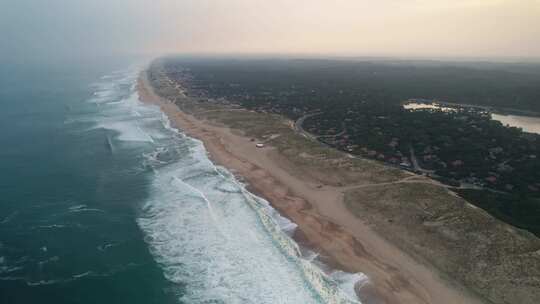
x,y
103,202
67,205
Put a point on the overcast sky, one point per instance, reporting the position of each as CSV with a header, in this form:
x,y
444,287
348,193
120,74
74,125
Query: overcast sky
x,y
425,28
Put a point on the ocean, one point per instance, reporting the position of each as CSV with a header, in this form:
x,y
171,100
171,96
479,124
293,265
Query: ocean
x,y
102,201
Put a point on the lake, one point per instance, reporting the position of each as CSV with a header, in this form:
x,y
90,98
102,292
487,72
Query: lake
x,y
529,124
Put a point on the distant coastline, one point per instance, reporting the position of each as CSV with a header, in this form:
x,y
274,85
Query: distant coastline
x,y
266,178
394,276
407,233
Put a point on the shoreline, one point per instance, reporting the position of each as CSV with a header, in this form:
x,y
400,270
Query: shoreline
x,y
351,246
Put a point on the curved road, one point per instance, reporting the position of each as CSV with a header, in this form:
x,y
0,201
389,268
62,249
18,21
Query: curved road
x,y
300,121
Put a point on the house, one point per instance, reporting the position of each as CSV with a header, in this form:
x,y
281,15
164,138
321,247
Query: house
x,y
457,163
405,164
496,150
502,167
428,157
393,144
393,160
492,179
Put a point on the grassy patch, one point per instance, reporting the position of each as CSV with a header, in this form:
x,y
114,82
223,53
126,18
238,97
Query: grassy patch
x,y
521,212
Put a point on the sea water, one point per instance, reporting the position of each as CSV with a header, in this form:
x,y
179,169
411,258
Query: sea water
x,y
104,202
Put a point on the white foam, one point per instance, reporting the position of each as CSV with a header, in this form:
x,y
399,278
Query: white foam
x,y
107,246
9,218
82,208
227,244
349,282
43,282
82,275
77,207
121,111
213,245
7,269
53,226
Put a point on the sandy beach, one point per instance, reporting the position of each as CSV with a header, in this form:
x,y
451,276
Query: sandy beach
x,y
324,222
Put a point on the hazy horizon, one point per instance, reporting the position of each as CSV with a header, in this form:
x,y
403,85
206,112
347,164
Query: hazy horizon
x,y
419,29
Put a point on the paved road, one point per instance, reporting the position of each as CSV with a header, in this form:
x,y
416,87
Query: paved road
x,y
299,129
414,160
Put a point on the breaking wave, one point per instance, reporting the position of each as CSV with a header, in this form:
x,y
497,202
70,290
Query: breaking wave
x,y
212,237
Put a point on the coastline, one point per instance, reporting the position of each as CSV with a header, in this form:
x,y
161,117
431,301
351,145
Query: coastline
x,y
351,246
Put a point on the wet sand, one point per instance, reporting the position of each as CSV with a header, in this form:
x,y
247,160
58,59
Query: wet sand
x,y
325,224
